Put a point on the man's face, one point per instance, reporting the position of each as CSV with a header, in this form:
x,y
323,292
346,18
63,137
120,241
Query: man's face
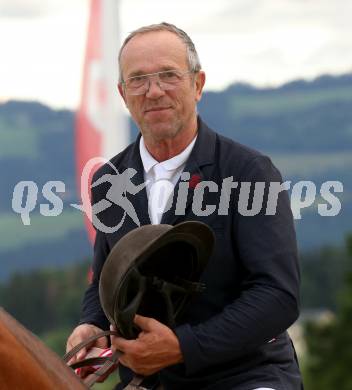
x,y
160,114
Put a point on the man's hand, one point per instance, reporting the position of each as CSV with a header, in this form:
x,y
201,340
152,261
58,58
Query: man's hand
x,y
79,334
155,348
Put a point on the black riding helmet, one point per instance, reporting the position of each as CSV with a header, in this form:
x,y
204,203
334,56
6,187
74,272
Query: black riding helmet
x,y
154,270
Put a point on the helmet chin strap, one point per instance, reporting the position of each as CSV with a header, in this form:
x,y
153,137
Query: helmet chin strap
x,y
125,311
166,289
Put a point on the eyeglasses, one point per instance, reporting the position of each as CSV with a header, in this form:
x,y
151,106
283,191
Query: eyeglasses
x,y
166,80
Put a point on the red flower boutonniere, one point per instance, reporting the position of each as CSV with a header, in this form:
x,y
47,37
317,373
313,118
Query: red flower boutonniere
x,y
194,180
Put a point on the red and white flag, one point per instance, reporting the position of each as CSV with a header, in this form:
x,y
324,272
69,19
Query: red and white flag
x,y
101,123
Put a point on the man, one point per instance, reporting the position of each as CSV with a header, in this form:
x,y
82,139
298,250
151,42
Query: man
x,y
234,334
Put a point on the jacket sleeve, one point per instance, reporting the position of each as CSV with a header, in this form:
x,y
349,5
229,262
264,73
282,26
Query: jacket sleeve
x,y
92,312
269,299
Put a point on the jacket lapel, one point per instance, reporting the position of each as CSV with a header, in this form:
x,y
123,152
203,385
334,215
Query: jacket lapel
x,y
199,165
139,200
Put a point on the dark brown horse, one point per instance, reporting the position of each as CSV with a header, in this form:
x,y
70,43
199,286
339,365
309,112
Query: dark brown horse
x,y
26,363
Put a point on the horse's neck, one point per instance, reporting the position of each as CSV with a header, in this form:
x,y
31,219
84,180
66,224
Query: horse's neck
x,y
27,363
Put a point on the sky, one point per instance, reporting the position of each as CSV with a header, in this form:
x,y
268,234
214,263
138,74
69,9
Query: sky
x,y
262,42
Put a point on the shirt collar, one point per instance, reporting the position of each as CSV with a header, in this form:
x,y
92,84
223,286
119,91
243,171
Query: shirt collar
x,y
173,163
147,159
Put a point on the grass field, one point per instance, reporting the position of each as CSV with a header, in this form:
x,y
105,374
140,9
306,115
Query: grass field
x,y
13,234
314,164
18,141
279,103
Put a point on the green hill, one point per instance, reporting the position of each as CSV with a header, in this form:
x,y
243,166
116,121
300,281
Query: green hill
x,y
305,127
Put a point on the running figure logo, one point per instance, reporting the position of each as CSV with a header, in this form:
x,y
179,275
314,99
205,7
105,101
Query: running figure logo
x,y
120,185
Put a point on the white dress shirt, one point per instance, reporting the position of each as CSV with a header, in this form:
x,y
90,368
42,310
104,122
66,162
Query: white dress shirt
x,y
161,179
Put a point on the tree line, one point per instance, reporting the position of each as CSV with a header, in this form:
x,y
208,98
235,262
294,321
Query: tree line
x,y
47,301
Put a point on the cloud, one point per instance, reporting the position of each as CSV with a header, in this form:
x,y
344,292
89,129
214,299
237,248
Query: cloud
x,y
247,16
265,42
25,9
329,56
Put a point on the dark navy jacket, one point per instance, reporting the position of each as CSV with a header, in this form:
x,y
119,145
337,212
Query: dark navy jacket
x,y
234,334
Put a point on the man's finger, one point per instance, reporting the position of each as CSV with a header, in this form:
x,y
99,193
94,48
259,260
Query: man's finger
x,y
121,344
72,360
82,353
112,337
145,323
102,343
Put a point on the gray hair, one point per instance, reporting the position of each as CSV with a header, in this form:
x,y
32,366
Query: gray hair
x,y
192,55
